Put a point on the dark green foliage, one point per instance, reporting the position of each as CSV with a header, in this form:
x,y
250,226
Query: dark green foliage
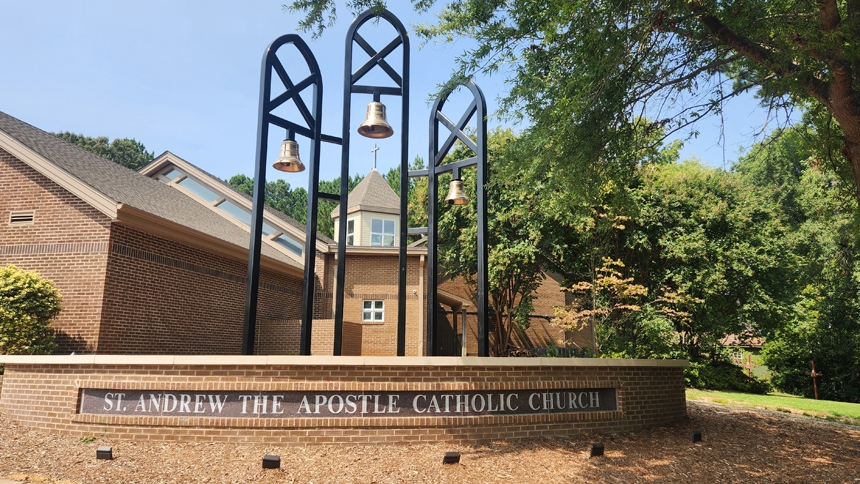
x,y
722,375
127,152
583,72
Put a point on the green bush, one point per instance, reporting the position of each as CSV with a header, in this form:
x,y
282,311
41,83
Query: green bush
x,y
27,304
722,375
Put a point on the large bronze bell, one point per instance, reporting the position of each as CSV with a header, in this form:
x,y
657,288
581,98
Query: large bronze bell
x,y
456,196
375,124
289,160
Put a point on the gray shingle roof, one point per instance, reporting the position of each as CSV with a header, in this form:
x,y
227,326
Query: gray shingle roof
x,y
373,192
126,186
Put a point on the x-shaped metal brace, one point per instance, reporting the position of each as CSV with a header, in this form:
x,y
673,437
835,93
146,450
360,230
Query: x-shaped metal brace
x,y
377,58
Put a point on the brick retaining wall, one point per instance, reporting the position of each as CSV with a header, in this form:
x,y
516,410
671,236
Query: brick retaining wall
x,y
45,392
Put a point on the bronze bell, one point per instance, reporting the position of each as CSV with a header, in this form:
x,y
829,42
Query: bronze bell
x,y
375,124
289,160
455,194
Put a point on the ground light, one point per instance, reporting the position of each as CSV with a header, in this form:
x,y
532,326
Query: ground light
x,y
104,452
271,461
596,450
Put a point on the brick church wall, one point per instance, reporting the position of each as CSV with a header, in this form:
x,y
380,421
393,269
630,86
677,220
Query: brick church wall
x,y
163,297
283,337
47,396
540,333
370,277
67,243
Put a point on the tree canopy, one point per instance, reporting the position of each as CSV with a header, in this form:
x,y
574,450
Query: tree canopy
x,y
127,152
587,73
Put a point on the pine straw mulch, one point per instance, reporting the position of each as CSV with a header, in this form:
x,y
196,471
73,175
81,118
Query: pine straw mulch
x,y
739,445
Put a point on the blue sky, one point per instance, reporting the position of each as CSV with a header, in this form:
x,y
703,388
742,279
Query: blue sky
x,y
184,76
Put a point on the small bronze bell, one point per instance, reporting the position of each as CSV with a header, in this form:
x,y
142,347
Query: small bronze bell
x,y
375,124
455,194
289,160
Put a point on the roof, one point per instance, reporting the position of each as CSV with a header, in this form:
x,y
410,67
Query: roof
x,y
274,213
111,187
372,194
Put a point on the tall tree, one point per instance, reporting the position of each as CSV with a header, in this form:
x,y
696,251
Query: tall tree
x,y
417,196
519,236
825,322
127,152
713,253
294,202
599,64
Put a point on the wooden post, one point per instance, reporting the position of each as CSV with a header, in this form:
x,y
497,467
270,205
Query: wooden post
x,y
749,366
814,374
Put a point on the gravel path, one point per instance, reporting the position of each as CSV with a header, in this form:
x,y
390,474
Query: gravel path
x,y
739,445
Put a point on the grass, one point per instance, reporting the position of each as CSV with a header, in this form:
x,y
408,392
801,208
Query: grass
x,y
838,411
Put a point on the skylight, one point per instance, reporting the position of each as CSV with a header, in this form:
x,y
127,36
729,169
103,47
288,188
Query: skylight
x,y
199,190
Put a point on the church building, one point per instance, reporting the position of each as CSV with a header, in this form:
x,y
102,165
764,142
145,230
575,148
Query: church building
x,y
155,261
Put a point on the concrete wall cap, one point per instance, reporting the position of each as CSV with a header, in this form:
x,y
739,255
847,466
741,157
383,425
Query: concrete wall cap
x,y
239,360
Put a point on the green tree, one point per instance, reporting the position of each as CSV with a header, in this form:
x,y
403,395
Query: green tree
x,y
599,64
518,236
28,302
127,152
294,202
416,203
609,306
713,254
825,321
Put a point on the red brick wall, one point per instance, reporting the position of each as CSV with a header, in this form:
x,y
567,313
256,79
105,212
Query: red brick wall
x,y
371,278
540,333
163,297
283,337
47,396
67,243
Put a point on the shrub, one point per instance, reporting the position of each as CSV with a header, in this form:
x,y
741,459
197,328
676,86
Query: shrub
x,y
722,375
27,304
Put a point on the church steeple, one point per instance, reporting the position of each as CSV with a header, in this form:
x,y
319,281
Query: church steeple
x,y
373,211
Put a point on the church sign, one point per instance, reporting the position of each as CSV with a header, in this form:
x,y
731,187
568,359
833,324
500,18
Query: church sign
x,y
291,404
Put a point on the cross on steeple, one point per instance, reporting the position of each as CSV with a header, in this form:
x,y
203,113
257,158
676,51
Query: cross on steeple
x,y
374,150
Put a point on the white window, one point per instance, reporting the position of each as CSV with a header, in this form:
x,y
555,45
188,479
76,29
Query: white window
x,y
350,232
373,311
381,232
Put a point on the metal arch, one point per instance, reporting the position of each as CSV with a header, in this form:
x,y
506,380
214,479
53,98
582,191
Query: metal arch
x,y
437,155
351,78
312,118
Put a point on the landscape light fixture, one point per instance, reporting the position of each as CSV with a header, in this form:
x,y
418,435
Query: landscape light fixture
x,y
104,452
451,458
289,160
596,450
271,461
375,123
697,436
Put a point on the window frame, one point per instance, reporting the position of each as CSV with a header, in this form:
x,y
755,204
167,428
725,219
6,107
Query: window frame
x,y
382,235
350,232
376,308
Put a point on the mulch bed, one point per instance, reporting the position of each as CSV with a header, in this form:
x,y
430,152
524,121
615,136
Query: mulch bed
x,y
739,445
